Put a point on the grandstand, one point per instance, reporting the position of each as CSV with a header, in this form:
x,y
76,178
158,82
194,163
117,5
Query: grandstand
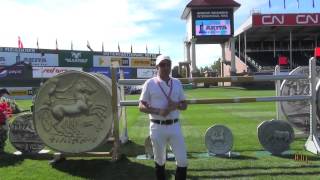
x,y
266,40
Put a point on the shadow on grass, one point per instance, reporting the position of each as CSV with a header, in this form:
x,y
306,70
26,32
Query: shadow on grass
x,y
105,169
199,155
291,171
256,174
132,149
7,159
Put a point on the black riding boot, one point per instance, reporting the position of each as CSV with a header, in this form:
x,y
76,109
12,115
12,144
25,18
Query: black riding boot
x,y
181,173
160,172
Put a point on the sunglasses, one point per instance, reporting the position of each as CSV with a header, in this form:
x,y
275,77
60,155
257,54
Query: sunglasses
x,y
165,64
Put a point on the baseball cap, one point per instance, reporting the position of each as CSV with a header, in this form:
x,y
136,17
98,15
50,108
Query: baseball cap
x,y
161,58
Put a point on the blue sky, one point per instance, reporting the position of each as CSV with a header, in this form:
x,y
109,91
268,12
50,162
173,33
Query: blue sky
x,y
153,23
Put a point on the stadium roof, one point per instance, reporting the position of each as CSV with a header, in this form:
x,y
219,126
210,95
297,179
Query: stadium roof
x,y
265,27
196,4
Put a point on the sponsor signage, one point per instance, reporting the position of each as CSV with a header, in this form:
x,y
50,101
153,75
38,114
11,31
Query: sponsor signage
x,y
101,61
102,70
36,59
129,73
124,54
309,19
140,62
75,59
209,23
123,61
17,71
48,72
20,92
146,73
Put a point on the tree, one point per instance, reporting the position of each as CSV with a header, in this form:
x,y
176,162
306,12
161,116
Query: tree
x,y
216,66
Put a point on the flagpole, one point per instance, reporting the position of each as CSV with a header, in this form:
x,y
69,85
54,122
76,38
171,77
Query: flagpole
x,y
38,43
269,3
56,44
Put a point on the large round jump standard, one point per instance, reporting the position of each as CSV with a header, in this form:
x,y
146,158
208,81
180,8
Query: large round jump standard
x,y
73,112
219,140
275,136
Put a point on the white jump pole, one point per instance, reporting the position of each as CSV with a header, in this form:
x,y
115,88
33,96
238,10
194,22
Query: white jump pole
x,y
220,79
231,100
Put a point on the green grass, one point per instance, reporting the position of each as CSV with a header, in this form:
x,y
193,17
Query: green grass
x,y
242,119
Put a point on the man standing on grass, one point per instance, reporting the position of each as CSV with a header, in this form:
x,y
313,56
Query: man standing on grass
x,y
162,97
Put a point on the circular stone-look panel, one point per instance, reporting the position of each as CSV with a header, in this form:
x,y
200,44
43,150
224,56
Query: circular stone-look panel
x,y
73,112
219,139
23,136
275,136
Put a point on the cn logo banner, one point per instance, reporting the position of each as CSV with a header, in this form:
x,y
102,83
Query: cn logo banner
x,y
286,19
75,59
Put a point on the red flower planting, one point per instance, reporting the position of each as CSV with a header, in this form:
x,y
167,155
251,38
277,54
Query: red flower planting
x,y
5,112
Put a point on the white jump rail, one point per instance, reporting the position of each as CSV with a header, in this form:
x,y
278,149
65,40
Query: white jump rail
x,y
220,79
230,100
312,144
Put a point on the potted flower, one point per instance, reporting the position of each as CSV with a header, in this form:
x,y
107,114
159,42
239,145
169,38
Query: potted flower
x,y
5,113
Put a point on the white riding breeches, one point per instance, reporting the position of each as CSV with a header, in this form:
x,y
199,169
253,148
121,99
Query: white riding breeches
x,y
161,135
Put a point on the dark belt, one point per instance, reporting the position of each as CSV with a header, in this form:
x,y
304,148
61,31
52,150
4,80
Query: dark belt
x,y
164,122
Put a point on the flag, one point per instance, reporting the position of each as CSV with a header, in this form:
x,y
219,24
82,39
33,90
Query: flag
x,y
284,4
146,49
37,43
20,45
102,47
313,4
119,47
131,49
71,46
88,46
269,3
298,4
56,44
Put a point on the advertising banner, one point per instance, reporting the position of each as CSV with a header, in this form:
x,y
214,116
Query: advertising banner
x,y
102,70
36,59
129,73
48,72
213,27
20,92
146,73
75,59
213,22
140,62
101,61
17,71
123,61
